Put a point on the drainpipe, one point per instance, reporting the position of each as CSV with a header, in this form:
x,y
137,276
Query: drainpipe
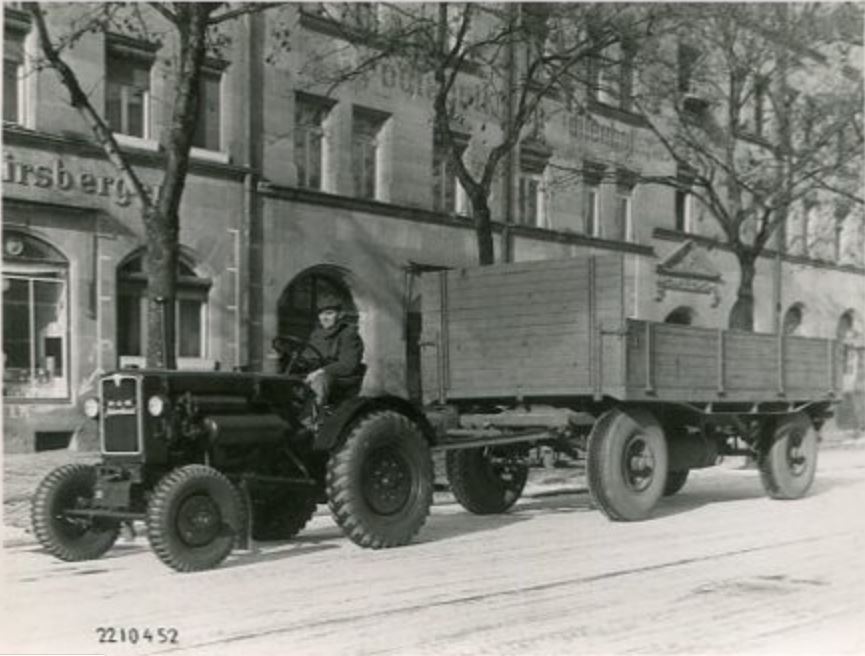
x,y
512,156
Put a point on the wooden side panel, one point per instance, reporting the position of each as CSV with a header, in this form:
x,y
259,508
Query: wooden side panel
x,y
524,329
430,290
685,363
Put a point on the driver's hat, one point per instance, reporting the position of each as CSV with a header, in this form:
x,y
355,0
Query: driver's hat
x,y
328,302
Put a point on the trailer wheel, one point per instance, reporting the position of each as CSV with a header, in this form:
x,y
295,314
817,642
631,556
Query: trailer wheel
x,y
193,518
380,482
675,481
627,463
483,482
68,538
281,517
789,461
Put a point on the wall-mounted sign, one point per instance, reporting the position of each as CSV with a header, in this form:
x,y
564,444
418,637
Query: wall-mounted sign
x,y
56,175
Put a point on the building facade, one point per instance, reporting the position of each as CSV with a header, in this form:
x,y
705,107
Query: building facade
x,y
295,191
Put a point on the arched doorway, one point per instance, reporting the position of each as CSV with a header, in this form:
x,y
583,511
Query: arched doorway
x,y
682,315
296,307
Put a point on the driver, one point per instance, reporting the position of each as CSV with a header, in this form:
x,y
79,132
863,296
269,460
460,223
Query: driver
x,y
340,345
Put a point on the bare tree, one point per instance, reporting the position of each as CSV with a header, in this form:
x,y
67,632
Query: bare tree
x,y
526,55
761,108
193,24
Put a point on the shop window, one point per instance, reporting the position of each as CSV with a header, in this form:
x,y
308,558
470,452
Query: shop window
x,y
297,305
366,152
310,141
127,85
448,194
35,319
191,311
14,72
208,129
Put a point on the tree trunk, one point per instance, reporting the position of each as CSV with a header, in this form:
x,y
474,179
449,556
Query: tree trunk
x,y
161,267
742,312
483,230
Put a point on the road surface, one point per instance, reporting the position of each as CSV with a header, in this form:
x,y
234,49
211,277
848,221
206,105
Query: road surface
x,y
721,569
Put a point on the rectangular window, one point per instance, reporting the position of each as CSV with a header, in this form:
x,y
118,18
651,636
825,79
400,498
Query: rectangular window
x,y
448,194
127,93
624,229
208,132
684,211
531,208
360,15
310,114
687,58
591,207
190,328
365,152
189,318
13,77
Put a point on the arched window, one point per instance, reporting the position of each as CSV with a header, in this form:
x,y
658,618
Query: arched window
x,y
35,319
296,309
682,315
793,319
190,310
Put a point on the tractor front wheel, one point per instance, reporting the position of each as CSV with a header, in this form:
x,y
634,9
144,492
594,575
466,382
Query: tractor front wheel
x,y
380,481
66,536
194,517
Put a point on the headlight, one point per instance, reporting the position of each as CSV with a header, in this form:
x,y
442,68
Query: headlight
x,y
91,407
156,406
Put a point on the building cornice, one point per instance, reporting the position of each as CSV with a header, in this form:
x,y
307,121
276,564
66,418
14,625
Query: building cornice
x,y
666,234
419,215
16,135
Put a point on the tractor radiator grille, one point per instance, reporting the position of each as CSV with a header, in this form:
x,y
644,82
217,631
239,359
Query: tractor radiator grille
x,y
121,414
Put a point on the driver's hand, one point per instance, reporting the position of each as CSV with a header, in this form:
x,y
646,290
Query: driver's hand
x,y
313,375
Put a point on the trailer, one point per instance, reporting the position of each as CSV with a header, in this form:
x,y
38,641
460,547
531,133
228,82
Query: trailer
x,y
546,353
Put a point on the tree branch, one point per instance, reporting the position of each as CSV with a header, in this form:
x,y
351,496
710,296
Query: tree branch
x,y
81,102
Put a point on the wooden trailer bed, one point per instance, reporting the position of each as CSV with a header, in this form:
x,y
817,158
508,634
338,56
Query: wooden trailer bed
x,y
561,328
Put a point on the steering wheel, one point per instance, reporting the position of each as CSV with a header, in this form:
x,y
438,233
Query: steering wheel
x,y
291,348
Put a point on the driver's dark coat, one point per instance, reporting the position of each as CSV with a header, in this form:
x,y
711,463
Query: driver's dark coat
x,y
341,347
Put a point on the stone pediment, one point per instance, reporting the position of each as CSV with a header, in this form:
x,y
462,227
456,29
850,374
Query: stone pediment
x,y
689,269
690,261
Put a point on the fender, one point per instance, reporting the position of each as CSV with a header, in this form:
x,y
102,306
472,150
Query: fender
x,y
332,432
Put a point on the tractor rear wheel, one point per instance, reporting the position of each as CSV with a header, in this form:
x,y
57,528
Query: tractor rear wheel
x,y
69,538
789,461
485,482
282,516
194,517
380,481
627,463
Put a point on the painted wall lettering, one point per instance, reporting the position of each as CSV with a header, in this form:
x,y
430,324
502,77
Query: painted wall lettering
x,y
56,175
